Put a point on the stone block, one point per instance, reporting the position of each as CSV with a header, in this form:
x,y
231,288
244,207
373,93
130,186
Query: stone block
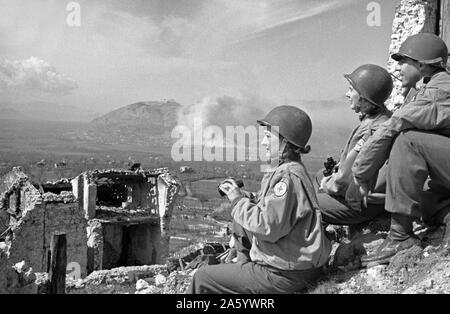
x,y
89,200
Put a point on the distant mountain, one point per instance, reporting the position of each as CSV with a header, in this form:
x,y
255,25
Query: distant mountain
x,y
138,123
143,114
149,124
43,111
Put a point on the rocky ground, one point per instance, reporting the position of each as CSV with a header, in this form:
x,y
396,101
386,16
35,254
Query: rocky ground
x,y
172,278
413,271
418,270
421,269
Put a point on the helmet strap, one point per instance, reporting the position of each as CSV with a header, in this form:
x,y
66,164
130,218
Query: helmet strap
x,y
282,150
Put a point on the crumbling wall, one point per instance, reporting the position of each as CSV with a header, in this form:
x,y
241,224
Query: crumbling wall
x,y
168,187
30,237
147,238
95,245
75,213
67,218
411,17
26,241
16,279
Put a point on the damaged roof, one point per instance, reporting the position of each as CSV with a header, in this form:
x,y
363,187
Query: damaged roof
x,y
139,171
16,179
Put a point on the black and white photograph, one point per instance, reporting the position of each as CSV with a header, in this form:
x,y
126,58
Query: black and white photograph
x,y
247,149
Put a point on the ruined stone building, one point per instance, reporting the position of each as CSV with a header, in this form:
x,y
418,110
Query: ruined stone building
x,y
111,218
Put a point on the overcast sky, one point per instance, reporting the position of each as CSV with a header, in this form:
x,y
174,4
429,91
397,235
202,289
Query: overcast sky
x,y
129,51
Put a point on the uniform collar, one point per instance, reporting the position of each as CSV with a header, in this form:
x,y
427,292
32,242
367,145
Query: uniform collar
x,y
364,116
438,79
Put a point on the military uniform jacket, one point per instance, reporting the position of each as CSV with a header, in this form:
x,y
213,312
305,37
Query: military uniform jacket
x,y
429,111
344,186
285,220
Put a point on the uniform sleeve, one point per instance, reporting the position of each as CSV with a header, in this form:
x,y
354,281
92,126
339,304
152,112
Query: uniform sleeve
x,y
338,182
335,185
249,195
421,114
269,218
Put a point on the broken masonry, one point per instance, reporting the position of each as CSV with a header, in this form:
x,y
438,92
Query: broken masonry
x,y
112,218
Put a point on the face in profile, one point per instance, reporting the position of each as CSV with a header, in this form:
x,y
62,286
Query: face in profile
x,y
354,98
271,143
409,70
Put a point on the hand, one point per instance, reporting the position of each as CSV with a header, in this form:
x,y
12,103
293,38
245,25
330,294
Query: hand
x,y
322,188
231,189
364,190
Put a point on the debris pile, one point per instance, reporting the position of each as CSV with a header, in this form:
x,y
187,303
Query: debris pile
x,y
112,218
424,269
173,278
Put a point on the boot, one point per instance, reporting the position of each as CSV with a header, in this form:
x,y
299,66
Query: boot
x,y
400,238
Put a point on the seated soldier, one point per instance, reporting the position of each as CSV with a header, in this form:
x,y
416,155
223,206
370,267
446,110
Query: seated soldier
x,y
416,139
278,233
340,200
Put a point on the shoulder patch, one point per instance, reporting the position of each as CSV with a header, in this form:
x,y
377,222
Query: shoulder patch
x,y
280,189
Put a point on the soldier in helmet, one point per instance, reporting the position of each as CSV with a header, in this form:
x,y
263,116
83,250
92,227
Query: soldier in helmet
x,y
279,231
340,200
416,139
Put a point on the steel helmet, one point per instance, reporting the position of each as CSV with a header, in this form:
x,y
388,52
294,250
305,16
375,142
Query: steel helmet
x,y
426,48
372,82
293,123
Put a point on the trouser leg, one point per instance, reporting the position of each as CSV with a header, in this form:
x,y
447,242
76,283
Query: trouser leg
x,y
401,227
336,213
250,278
415,156
223,278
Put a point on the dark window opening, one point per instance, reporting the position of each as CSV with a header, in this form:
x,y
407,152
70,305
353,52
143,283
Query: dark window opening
x,y
128,245
126,192
14,202
54,188
49,260
112,195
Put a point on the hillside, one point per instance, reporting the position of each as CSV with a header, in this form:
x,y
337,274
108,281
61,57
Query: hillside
x,y
140,123
149,124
